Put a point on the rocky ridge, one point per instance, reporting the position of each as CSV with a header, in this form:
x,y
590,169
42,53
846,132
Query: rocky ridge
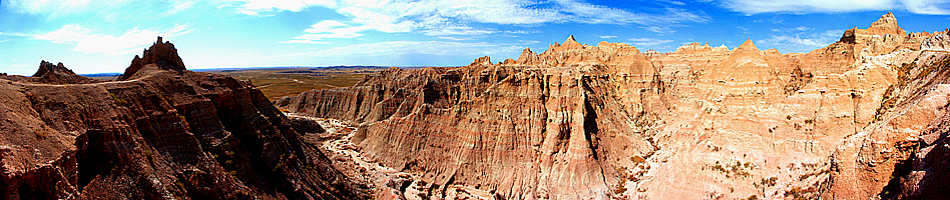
x,y
863,117
162,132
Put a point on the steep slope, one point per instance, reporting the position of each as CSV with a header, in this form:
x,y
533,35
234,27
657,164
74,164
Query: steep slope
x,y
163,133
579,121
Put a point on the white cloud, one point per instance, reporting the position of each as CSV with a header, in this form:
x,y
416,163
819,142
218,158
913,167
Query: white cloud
x,y
608,36
930,7
88,41
802,42
751,7
418,47
743,29
452,38
53,6
180,6
108,9
256,7
458,30
795,29
648,42
451,17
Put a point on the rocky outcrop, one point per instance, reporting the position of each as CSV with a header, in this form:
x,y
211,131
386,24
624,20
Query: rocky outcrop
x,y
58,74
580,121
167,133
163,55
51,74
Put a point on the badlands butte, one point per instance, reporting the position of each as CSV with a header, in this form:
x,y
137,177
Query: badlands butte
x,y
863,118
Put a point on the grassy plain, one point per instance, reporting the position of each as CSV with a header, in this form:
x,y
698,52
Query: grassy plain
x,y
280,82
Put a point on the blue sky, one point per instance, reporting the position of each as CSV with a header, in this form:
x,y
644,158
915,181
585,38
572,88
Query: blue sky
x,y
96,36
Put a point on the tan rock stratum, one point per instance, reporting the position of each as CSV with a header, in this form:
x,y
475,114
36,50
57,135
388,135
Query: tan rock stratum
x,y
865,117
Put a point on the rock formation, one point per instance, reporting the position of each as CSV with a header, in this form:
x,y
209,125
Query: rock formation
x,y
58,74
163,55
863,117
161,133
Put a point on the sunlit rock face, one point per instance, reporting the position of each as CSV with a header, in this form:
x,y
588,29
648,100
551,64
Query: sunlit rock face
x,y
863,117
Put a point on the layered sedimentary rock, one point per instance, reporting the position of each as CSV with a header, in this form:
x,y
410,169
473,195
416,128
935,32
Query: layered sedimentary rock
x,y
580,121
165,133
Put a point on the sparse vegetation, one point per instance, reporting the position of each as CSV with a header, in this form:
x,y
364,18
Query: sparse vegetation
x,y
277,83
737,169
802,193
118,99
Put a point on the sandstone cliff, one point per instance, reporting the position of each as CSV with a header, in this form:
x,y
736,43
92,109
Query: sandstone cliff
x,y
579,121
161,133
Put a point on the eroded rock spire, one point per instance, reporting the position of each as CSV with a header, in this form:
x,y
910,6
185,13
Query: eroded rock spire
x,y
163,55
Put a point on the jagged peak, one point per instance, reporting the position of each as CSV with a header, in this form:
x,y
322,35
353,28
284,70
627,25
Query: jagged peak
x,y
508,61
526,51
571,43
47,68
58,74
527,56
887,24
747,45
162,53
570,39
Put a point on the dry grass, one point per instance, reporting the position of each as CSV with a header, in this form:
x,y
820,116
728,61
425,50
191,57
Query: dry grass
x,y
275,84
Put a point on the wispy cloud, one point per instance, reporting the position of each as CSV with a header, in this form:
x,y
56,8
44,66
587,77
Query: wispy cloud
x,y
259,7
648,42
88,41
801,41
443,18
750,7
419,47
57,9
452,38
458,30
743,29
380,52
608,36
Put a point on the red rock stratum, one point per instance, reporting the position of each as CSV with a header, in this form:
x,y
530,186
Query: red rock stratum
x,y
162,132
861,118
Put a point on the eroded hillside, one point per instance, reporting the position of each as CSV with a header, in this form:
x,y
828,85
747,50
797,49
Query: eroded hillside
x,y
863,117
162,132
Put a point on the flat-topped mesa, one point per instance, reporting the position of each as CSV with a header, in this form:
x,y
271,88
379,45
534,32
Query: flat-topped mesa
x,y
484,60
163,55
694,47
57,74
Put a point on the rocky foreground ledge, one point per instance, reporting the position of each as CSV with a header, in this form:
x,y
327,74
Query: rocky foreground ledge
x,y
865,117
160,132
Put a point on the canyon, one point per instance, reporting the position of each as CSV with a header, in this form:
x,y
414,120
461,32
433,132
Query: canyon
x,y
864,117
